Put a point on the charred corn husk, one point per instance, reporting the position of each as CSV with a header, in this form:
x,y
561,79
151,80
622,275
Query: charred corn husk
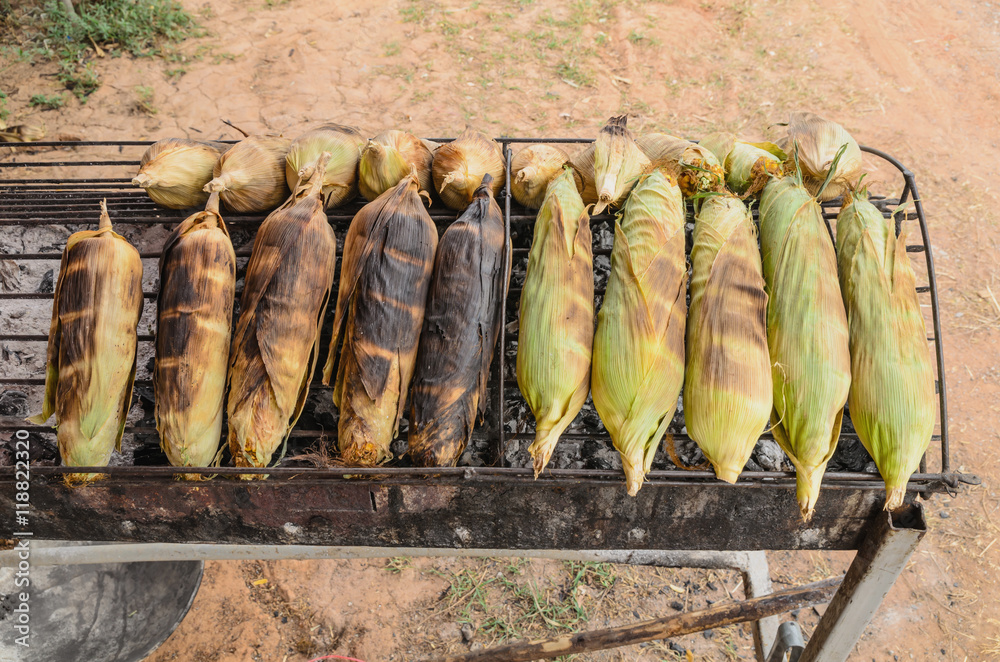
x,y
583,163
460,330
90,363
174,171
638,366
748,166
696,168
344,143
250,177
532,169
556,331
385,275
618,163
816,142
727,385
459,167
276,341
194,311
388,157
892,402
806,332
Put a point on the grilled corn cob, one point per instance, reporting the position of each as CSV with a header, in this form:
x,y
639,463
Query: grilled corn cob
x,y
532,169
174,171
459,167
696,168
250,176
814,143
618,163
344,143
748,166
388,157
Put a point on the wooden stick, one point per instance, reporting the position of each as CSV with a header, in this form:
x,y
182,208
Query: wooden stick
x,y
660,628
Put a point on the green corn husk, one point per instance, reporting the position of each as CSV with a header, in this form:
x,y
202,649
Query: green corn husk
x,y
618,163
638,365
194,316
276,341
90,363
892,402
748,166
727,386
556,330
344,143
806,332
386,272
460,330
583,163
695,167
814,142
174,171
388,157
250,177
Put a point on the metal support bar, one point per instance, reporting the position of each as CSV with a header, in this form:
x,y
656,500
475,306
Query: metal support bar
x,y
789,641
883,554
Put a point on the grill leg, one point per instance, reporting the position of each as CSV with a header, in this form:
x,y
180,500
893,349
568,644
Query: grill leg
x,y
757,580
888,545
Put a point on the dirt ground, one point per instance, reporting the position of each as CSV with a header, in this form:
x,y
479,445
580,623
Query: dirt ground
x,y
919,79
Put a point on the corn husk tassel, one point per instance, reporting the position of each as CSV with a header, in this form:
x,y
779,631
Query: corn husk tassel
x,y
250,177
556,331
460,329
748,166
814,142
90,362
174,171
532,169
388,260
727,386
388,157
344,143
618,163
892,402
638,366
459,167
696,168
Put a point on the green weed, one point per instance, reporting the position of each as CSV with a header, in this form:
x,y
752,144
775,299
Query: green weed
x,y
144,100
53,102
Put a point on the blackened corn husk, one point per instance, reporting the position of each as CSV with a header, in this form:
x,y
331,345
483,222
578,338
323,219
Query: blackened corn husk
x,y
194,311
556,329
727,386
806,332
344,143
385,275
276,341
696,168
618,163
748,166
816,142
892,402
583,164
388,157
460,329
638,365
250,177
90,363
533,168
459,167
174,171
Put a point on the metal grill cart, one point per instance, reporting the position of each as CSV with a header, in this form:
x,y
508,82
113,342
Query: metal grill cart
x,y
490,505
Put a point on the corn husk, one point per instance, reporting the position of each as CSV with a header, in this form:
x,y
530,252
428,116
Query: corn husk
x,y
388,260
618,163
583,164
90,362
556,335
533,168
460,329
638,365
892,401
748,166
806,332
727,386
250,177
276,340
388,157
696,168
194,317
21,133
344,143
174,171
815,142
459,167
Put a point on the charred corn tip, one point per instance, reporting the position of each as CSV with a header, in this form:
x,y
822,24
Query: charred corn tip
x,y
105,219
894,496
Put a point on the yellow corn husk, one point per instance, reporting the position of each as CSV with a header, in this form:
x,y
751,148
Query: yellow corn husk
x,y
250,177
556,336
618,163
806,332
748,166
460,329
815,142
459,167
583,164
892,402
344,143
21,133
727,386
638,365
174,171
388,157
90,363
696,168
276,341
385,275
533,168
193,321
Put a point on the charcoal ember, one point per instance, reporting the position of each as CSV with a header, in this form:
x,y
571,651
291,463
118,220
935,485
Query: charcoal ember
x,y
589,420
47,285
510,361
768,455
565,454
687,451
602,271
516,454
598,454
398,448
849,456
752,466
517,272
42,449
14,403
603,235
871,468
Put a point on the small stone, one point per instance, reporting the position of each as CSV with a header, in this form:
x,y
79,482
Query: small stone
x,y
677,648
467,632
708,634
677,606
944,514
